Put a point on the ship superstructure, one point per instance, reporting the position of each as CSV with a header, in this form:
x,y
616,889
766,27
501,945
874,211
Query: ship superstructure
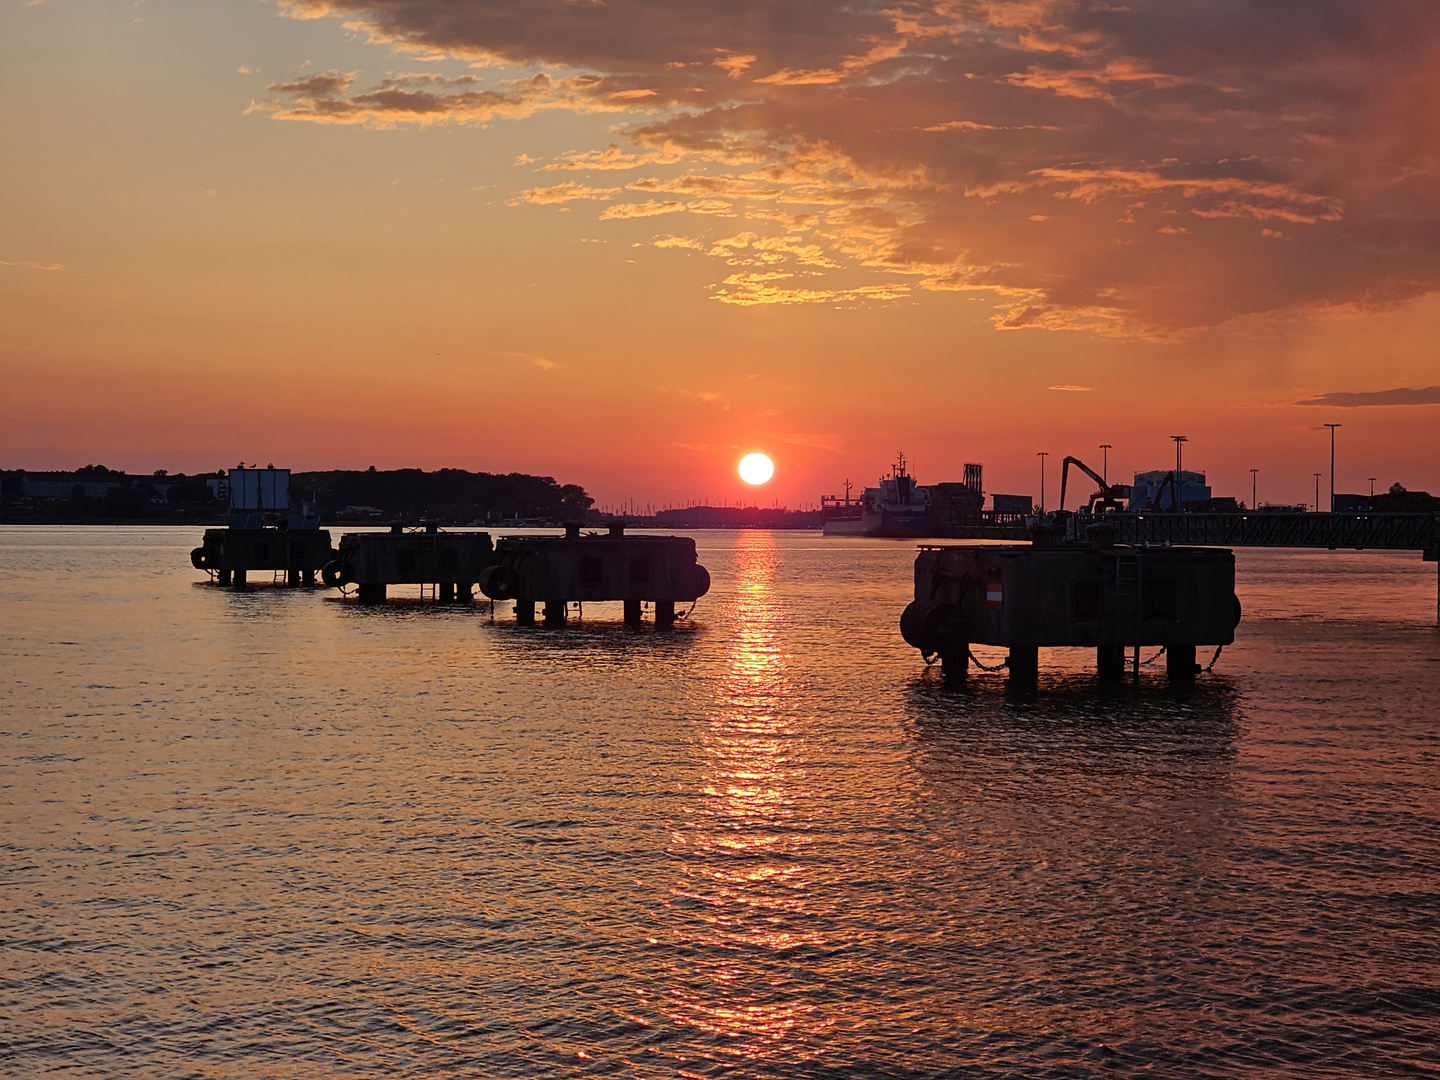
x,y
840,517
898,507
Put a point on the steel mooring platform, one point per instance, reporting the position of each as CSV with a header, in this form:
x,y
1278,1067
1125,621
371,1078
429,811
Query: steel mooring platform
x,y
449,562
556,570
1098,595
230,554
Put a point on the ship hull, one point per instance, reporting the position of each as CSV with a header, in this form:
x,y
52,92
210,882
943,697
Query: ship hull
x,y
897,522
843,527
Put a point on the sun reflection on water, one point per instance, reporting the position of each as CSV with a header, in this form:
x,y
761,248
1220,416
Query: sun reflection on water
x,y
745,883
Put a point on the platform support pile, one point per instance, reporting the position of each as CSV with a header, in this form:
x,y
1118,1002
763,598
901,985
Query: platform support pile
x,y
1110,662
955,665
1180,665
1024,665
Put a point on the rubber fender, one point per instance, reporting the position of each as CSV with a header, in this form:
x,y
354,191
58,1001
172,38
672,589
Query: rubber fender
x,y
200,558
498,582
333,574
702,581
1237,611
923,624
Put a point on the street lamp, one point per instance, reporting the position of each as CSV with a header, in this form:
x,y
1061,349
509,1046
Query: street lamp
x,y
1042,455
1180,441
1105,449
1317,491
1254,499
1372,487
1332,428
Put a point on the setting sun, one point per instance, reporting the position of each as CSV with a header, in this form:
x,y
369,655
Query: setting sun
x,y
756,468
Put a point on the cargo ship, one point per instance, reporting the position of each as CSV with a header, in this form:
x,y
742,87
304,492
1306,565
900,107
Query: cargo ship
x,y
840,517
898,507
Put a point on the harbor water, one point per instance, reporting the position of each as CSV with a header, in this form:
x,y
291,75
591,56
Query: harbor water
x,y
276,834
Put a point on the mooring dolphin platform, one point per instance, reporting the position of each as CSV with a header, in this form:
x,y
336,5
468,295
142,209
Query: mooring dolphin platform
x,y
1050,593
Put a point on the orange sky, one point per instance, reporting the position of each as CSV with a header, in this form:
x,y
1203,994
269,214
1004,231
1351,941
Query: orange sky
x,y
624,243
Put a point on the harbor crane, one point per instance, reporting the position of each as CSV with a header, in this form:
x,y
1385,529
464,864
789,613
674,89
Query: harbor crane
x,y
1107,497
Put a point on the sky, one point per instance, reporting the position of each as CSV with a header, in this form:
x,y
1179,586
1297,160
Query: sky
x,y
625,242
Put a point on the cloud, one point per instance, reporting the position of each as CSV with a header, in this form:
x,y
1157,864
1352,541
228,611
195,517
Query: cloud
x,y
31,265
751,249
754,289
1429,395
567,192
544,363
705,397
638,210
1070,389
612,157
427,99
1166,143
734,64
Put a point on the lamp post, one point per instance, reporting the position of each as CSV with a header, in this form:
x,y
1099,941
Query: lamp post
x,y
1317,491
1180,441
1105,449
1042,455
1372,487
1332,428
1254,499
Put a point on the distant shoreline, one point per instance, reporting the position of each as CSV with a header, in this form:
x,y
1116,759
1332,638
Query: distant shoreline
x,y
341,525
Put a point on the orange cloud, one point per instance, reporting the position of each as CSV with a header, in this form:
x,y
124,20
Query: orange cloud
x,y
1124,128
563,193
652,208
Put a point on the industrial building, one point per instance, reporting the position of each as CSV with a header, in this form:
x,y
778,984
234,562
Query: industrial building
x,y
1156,490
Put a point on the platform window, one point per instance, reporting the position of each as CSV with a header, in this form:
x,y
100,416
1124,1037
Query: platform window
x,y
1160,601
592,570
1085,601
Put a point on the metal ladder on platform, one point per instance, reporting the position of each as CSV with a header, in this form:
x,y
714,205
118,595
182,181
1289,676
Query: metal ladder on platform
x,y
1127,599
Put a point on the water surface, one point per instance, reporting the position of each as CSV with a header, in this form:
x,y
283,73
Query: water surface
x,y
276,834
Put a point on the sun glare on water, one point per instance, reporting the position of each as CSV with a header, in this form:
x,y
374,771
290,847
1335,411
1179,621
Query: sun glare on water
x,y
756,468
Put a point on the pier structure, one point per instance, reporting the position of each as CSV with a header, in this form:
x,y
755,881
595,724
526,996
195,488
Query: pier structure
x,y
1359,531
263,534
449,563
554,571
1099,595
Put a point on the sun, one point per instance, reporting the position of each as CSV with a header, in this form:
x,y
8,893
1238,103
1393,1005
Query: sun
x,y
755,469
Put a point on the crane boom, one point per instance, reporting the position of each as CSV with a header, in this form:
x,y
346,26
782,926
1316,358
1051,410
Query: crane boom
x,y
1107,495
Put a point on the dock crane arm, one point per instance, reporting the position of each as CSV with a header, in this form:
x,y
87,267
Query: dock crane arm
x,y
1065,476
1108,496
